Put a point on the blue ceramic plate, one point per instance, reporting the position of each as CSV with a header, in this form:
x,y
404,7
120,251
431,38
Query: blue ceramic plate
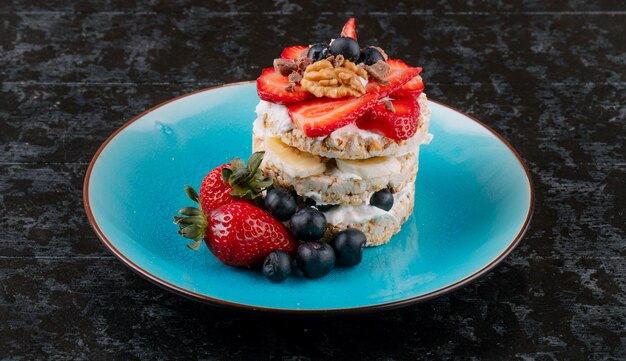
x,y
473,203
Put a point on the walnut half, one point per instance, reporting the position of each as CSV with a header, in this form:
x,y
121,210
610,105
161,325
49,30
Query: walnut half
x,y
323,79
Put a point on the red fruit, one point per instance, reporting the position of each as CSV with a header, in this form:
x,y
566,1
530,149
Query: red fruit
x,y
414,87
349,30
233,181
397,77
294,52
237,232
214,192
271,87
240,234
320,117
399,125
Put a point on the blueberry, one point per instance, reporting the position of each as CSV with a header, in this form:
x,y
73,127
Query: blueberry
x,y
348,246
370,56
277,266
280,203
318,51
347,47
382,199
308,224
315,259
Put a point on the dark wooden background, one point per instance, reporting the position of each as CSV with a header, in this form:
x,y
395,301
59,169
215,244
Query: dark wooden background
x,y
549,76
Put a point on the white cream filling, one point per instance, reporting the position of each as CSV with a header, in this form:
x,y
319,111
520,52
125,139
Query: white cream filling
x,y
351,130
363,213
278,112
355,214
259,130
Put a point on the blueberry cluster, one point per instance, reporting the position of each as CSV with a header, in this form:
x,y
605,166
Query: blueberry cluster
x,y
348,48
308,224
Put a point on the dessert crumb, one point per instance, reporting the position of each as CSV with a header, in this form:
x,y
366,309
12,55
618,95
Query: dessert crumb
x,y
389,106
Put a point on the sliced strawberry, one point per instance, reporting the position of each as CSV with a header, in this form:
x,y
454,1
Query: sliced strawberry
x,y
412,88
320,117
271,87
396,78
399,124
349,30
294,52
397,64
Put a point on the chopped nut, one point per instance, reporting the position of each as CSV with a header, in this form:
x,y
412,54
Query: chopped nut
x,y
323,78
378,71
285,66
303,62
295,77
291,87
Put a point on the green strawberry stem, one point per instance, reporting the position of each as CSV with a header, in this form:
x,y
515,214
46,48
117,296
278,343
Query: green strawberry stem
x,y
247,180
192,222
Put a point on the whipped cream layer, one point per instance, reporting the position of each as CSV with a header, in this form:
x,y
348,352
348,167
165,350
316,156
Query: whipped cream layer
x,y
278,113
350,214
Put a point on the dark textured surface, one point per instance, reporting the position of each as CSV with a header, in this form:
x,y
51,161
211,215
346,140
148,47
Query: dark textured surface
x,y
549,76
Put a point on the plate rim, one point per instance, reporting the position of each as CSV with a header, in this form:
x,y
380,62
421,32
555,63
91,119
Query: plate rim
x,y
358,309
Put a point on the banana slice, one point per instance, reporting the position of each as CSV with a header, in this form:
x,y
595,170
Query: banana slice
x,y
371,167
292,161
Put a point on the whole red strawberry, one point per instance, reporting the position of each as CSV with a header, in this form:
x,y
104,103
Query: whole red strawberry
x,y
240,234
236,232
233,181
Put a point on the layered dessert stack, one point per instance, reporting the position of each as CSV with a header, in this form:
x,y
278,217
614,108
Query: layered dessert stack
x,y
341,125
